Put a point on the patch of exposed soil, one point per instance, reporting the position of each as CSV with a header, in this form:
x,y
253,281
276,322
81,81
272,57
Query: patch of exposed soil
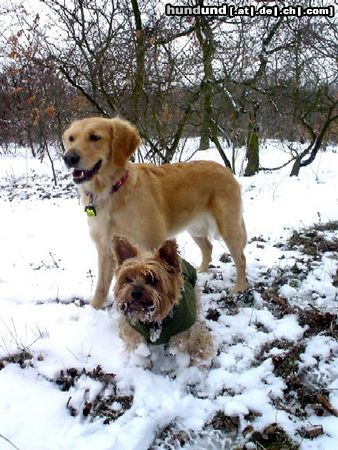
x,y
22,357
37,186
107,403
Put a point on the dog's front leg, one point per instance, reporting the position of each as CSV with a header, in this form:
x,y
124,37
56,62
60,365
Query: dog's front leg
x,y
106,270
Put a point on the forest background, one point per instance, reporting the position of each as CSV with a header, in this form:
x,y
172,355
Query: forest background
x,y
233,81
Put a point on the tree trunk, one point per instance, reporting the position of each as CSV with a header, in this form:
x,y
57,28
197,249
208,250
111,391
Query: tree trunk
x,y
252,152
316,144
215,140
205,38
30,142
207,114
252,166
296,168
140,51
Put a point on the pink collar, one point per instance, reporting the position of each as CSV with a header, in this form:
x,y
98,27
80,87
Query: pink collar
x,y
117,185
90,208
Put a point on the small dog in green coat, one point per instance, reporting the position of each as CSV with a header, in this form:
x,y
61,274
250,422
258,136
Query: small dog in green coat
x,y
156,293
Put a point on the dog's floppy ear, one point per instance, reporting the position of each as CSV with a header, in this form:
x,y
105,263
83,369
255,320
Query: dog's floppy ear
x,y
125,140
123,249
168,253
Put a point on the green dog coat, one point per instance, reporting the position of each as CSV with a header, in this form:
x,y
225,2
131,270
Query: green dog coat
x,y
181,318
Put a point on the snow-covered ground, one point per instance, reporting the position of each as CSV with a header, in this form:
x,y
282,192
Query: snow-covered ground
x,y
65,381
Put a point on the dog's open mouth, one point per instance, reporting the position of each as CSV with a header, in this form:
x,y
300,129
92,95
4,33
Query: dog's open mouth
x,y
80,176
138,310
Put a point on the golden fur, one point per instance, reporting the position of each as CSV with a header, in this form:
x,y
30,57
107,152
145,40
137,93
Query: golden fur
x,y
156,279
155,202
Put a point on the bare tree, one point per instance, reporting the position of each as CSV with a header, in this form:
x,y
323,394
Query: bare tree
x,y
306,85
34,97
122,57
237,78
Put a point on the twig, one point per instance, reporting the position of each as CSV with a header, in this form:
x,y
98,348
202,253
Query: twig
x,y
277,168
327,405
9,442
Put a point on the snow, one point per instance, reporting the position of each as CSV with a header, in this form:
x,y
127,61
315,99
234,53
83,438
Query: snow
x,y
47,277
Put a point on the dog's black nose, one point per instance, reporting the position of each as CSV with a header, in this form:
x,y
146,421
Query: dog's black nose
x,y
71,158
136,293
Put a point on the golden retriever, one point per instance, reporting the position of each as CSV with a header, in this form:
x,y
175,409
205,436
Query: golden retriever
x,y
148,203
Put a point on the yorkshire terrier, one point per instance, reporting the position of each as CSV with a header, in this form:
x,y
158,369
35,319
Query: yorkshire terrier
x,y
156,294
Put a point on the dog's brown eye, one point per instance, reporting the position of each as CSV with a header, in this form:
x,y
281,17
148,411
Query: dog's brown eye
x,y
150,280
94,137
71,138
128,280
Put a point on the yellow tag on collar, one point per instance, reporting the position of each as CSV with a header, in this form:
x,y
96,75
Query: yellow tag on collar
x,y
90,210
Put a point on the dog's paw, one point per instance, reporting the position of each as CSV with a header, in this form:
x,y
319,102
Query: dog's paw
x,y
182,358
142,350
97,302
141,356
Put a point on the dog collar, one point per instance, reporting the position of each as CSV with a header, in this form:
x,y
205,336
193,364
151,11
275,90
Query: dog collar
x,y
120,183
90,208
